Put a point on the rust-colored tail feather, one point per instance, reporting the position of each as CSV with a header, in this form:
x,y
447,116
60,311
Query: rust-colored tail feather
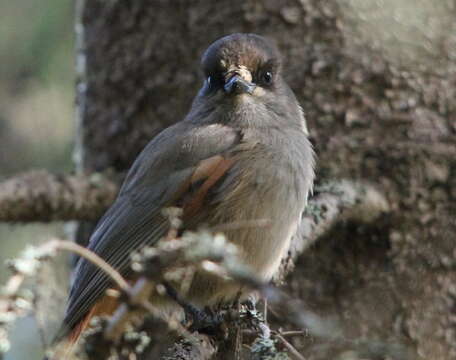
x,y
64,350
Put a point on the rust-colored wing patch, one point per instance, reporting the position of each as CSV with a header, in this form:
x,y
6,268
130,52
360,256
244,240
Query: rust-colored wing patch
x,y
191,197
209,171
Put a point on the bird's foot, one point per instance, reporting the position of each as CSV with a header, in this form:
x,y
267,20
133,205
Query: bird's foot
x,y
201,320
204,320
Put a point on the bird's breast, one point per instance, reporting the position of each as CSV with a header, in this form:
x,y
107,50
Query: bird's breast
x,y
266,186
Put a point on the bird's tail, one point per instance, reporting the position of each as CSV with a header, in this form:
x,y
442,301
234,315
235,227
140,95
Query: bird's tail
x,y
68,340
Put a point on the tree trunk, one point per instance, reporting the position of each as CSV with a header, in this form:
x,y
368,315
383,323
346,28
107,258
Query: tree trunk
x,y
374,112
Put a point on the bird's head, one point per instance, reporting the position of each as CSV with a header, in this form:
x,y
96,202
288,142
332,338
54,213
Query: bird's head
x,y
241,65
244,83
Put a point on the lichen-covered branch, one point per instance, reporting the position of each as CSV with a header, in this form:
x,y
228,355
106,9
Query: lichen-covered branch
x,y
185,350
42,196
333,202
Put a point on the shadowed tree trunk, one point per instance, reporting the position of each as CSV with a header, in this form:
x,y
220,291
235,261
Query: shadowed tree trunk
x,y
375,113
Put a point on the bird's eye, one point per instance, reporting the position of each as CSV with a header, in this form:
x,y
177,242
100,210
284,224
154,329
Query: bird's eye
x,y
213,82
267,77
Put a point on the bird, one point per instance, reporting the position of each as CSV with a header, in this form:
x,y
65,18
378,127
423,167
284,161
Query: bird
x,y
241,153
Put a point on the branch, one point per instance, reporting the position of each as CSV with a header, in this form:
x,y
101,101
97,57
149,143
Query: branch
x,y
185,350
90,256
14,305
332,203
41,196
31,260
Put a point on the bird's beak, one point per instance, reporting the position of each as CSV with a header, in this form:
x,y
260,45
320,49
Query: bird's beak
x,y
237,85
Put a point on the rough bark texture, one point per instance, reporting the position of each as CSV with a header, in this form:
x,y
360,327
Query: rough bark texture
x,y
41,196
186,351
370,118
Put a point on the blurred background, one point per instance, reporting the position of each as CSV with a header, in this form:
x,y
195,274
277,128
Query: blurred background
x,y
37,92
36,117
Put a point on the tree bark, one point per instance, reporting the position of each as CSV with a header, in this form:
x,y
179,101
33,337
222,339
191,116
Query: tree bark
x,y
41,196
371,118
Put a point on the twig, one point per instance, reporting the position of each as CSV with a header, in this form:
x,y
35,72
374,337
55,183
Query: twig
x,y
293,333
115,276
137,295
13,284
29,264
292,350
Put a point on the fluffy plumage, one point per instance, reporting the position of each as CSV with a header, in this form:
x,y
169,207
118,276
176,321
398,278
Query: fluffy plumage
x,y
238,155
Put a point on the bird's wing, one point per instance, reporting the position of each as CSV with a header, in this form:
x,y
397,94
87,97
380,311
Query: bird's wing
x,y
180,161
